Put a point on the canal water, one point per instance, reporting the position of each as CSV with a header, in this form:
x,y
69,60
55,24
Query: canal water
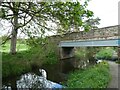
x,y
53,74
56,73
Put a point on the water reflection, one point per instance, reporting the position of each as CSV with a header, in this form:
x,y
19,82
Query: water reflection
x,y
32,81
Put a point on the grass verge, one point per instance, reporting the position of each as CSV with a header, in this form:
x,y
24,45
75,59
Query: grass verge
x,y
93,77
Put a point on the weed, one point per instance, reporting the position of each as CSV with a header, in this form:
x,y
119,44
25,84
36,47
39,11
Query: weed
x,y
93,77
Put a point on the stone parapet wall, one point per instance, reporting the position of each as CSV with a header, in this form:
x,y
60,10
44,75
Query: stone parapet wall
x,y
110,32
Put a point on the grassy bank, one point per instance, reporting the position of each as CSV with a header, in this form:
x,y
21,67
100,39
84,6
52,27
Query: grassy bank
x,y
94,77
21,46
26,59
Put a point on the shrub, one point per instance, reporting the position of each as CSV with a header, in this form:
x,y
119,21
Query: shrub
x,y
25,60
118,61
80,53
105,53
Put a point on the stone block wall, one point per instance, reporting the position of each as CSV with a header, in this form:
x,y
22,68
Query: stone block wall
x,y
110,32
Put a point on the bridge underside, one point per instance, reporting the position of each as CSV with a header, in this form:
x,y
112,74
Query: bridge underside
x,y
90,43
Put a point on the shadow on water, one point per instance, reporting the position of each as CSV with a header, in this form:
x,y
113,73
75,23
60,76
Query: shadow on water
x,y
68,65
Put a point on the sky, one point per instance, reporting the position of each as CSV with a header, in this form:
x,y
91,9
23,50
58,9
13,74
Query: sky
x,y
106,10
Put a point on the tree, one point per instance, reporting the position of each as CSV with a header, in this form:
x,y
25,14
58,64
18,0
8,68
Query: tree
x,y
36,15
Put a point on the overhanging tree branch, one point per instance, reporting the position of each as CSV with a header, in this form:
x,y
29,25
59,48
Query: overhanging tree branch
x,y
7,38
25,23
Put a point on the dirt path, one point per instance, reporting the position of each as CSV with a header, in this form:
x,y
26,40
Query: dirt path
x,y
115,75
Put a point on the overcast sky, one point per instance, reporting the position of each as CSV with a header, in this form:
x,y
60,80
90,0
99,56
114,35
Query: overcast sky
x,y
106,10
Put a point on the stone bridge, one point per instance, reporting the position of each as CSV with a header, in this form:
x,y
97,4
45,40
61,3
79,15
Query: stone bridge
x,y
106,36
111,32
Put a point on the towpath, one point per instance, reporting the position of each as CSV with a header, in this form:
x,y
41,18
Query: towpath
x,y
115,73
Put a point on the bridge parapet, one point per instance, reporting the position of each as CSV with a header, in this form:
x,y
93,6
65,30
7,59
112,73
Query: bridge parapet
x,y
95,34
111,32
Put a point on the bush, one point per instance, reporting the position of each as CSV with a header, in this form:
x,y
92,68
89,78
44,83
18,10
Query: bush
x,y
80,53
118,61
14,65
47,50
24,61
105,53
93,77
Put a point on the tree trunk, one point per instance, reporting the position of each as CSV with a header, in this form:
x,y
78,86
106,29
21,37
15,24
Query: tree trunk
x,y
13,42
14,35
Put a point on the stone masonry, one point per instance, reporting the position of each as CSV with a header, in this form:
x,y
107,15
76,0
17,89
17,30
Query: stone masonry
x,y
111,32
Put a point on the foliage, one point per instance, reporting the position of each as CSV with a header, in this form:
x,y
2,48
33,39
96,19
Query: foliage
x,y
66,14
24,61
86,55
93,77
33,18
92,23
118,61
105,53
15,65
33,42
80,53
48,50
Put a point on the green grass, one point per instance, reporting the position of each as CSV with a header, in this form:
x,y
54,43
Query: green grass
x,y
94,77
20,47
15,64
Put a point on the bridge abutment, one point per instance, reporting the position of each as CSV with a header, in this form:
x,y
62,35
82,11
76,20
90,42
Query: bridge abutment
x,y
67,58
